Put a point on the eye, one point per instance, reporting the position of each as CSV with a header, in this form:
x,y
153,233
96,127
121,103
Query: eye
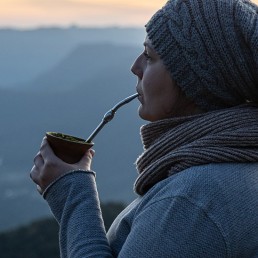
x,y
146,55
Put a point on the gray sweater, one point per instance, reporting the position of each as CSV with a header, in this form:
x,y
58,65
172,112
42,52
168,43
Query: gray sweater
x,y
204,211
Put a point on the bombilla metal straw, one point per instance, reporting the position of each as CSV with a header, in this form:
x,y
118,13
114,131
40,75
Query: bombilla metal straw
x,y
110,115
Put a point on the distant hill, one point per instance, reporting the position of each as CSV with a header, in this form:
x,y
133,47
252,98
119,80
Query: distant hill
x,y
90,65
24,54
40,238
95,77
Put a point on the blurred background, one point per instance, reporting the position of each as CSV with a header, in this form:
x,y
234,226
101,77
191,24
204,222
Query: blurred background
x,y
63,64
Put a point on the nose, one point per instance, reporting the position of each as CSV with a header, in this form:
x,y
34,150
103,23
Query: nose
x,y
137,67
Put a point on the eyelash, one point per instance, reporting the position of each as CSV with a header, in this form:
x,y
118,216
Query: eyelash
x,y
146,55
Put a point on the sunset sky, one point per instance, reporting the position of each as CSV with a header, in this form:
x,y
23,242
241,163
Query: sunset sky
x,y
33,13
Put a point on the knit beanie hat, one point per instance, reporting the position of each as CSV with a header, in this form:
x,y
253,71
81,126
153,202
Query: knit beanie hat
x,y
210,48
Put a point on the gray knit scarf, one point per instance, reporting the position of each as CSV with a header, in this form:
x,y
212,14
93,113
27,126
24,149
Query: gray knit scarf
x,y
172,145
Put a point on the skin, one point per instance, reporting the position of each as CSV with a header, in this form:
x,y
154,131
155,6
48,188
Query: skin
x,y
160,98
159,94
48,167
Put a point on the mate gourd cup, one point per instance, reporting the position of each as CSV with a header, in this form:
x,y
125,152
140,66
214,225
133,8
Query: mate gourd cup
x,y
70,148
67,147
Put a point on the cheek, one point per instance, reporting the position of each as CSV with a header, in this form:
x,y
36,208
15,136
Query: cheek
x,y
158,87
168,103
156,104
151,84
160,97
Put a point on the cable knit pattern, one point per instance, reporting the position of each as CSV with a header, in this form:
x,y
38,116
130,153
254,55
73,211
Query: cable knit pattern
x,y
210,48
172,145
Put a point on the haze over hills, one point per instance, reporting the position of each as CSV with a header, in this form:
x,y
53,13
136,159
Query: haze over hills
x,y
70,95
25,54
85,64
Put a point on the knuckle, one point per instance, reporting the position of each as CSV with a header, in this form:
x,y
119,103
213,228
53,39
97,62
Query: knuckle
x,y
34,174
36,157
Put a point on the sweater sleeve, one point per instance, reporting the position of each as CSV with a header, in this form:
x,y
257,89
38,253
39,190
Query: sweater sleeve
x,y
74,202
170,227
173,227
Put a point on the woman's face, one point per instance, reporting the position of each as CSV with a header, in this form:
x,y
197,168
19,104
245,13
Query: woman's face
x,y
158,93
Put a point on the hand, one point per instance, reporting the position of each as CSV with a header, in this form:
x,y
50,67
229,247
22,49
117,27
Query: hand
x,y
48,167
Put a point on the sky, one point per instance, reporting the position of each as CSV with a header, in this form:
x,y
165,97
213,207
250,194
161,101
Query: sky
x,y
35,13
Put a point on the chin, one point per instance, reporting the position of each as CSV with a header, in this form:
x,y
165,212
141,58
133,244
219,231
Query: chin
x,y
142,114
145,116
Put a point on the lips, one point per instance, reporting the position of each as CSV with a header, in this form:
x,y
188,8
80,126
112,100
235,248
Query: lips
x,y
140,98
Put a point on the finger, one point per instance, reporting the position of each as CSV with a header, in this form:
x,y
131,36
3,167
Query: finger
x,y
38,160
87,158
89,154
46,151
43,141
34,174
92,152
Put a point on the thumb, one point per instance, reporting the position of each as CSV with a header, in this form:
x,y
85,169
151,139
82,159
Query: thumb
x,y
86,160
92,152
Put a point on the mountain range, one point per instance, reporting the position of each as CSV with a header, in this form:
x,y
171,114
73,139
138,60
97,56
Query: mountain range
x,y
25,54
70,93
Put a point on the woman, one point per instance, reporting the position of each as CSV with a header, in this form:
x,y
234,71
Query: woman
x,y
198,175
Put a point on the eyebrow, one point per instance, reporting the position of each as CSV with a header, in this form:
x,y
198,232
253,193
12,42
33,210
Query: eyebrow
x,y
146,44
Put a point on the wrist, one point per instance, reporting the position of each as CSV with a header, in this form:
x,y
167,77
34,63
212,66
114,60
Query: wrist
x,y
75,171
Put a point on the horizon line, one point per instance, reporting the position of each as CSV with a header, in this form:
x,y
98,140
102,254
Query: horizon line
x,y
71,26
